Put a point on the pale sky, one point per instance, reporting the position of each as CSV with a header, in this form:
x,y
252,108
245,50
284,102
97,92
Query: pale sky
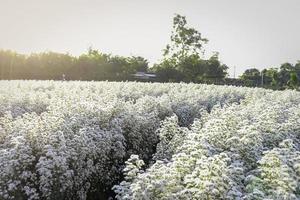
x,y
246,33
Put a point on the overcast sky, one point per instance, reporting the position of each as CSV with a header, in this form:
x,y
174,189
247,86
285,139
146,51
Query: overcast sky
x,y
246,33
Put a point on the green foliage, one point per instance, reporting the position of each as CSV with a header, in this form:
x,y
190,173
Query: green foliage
x,y
92,65
293,82
185,41
182,57
137,63
166,72
270,77
215,70
182,62
286,77
251,77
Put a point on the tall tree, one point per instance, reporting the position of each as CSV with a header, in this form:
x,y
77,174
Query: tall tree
x,y
185,40
182,57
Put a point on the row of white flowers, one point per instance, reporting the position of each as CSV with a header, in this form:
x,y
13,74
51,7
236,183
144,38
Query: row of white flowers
x,y
242,151
69,140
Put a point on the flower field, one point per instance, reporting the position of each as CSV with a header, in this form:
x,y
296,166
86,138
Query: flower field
x,y
85,140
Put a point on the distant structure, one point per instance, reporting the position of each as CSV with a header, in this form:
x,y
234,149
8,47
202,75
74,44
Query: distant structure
x,y
144,76
234,72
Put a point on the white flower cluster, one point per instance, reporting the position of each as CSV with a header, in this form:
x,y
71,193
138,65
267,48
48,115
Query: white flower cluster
x,y
278,174
247,151
70,140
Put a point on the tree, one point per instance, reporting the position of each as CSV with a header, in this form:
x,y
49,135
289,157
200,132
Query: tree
x,y
166,72
293,83
182,57
185,41
297,69
11,64
137,64
191,67
251,77
284,74
91,66
118,68
270,78
53,65
215,70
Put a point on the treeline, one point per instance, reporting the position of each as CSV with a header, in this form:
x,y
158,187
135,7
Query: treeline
x,y
92,65
182,61
287,76
97,66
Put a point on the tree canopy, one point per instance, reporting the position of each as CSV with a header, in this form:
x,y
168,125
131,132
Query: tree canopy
x,y
182,57
182,60
286,77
